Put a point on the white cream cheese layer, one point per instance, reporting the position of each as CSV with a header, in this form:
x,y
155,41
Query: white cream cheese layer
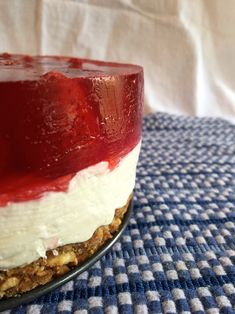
x,y
28,229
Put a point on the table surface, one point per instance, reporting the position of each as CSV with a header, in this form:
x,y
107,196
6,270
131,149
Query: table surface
x,y
178,253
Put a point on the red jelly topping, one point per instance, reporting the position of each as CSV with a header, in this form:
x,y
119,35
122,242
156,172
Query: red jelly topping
x,y
60,115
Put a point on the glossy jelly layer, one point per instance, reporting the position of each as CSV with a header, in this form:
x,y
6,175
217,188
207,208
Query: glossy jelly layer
x,y
61,115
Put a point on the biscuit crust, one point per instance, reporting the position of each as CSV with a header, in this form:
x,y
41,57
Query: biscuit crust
x,y
58,262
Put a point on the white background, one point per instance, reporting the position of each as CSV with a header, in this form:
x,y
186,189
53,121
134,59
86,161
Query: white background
x,y
187,47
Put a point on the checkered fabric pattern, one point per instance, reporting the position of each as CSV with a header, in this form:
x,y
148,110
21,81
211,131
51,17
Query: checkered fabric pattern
x,y
178,253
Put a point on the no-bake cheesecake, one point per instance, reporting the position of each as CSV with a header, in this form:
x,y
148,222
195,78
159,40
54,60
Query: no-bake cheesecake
x,y
70,132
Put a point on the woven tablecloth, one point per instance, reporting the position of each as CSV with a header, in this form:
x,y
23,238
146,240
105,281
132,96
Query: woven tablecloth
x,y
177,254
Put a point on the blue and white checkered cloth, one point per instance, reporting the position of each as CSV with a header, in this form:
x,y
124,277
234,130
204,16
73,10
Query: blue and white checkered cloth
x,y
177,254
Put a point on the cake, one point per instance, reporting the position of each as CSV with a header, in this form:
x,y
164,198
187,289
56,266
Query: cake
x,y
70,133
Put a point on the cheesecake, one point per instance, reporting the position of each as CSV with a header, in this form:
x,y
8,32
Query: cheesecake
x,y
70,135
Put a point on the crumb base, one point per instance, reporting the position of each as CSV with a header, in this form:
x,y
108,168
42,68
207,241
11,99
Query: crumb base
x,y
22,279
